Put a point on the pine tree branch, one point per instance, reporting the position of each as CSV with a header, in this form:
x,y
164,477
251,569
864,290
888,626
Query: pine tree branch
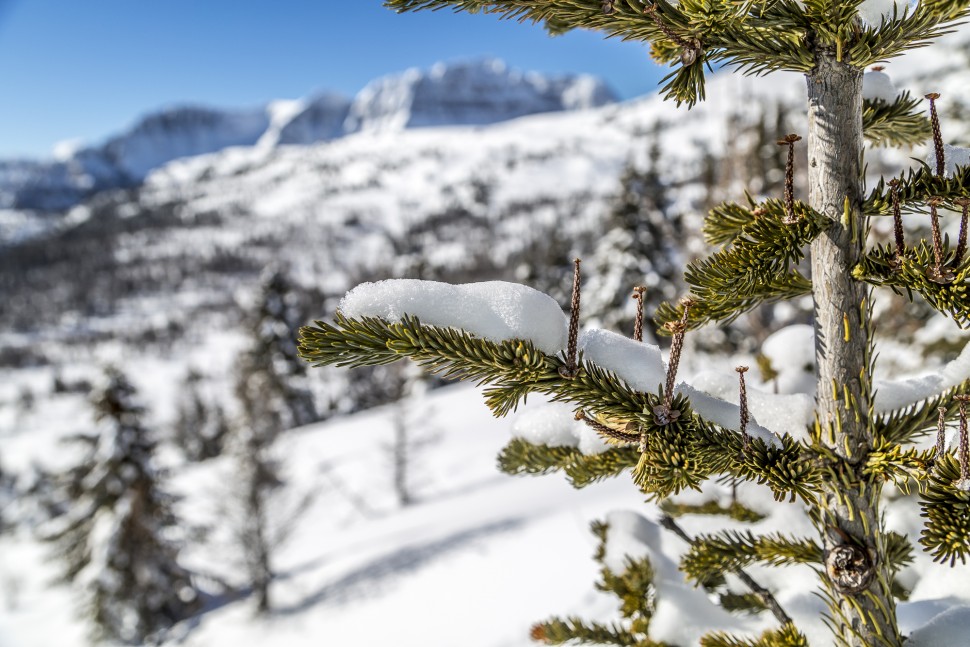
x,y
755,267
900,123
907,424
910,274
678,455
901,466
906,30
523,457
763,594
946,531
786,636
915,188
558,631
735,510
710,555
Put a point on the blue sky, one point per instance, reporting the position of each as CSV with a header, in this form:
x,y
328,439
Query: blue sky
x,y
88,68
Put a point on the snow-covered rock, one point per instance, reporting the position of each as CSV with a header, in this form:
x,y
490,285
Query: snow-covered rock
x,y
318,119
181,132
472,94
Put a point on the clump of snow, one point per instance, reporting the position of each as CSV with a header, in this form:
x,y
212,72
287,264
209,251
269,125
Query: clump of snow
x,y
493,310
630,535
724,414
781,414
554,424
877,86
638,364
948,628
896,394
953,157
791,352
875,12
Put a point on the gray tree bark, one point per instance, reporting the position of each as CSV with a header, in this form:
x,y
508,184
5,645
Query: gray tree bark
x,y
857,577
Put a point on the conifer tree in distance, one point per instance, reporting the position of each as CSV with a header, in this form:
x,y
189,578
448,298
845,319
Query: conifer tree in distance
x,y
111,535
850,452
270,368
638,247
272,393
200,428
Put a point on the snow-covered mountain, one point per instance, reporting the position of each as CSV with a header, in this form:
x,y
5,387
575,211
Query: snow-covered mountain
x,y
467,93
471,94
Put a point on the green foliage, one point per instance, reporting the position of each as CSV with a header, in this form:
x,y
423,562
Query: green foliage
x,y
637,597
908,424
734,510
755,265
522,457
678,456
901,466
513,366
729,550
915,188
908,275
906,30
946,532
786,636
900,123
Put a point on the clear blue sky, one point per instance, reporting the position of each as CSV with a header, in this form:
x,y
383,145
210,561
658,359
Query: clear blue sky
x,y
88,68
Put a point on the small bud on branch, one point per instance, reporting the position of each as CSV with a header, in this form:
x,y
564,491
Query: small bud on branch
x,y
743,400
962,240
664,414
638,322
964,452
789,141
570,370
897,220
937,134
938,273
940,434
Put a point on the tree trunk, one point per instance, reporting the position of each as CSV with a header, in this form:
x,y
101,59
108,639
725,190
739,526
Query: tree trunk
x,y
857,575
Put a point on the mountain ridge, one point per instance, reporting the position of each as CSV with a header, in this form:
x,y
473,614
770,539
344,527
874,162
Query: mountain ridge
x,y
474,92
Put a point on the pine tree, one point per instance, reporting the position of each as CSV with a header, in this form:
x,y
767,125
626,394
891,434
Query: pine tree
x,y
271,389
112,535
270,369
638,248
200,429
851,451
411,436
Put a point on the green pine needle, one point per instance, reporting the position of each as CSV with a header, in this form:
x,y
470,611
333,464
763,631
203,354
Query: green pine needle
x,y
879,267
755,266
900,123
946,532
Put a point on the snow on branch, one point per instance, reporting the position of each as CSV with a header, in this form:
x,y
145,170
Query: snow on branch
x,y
893,395
492,310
